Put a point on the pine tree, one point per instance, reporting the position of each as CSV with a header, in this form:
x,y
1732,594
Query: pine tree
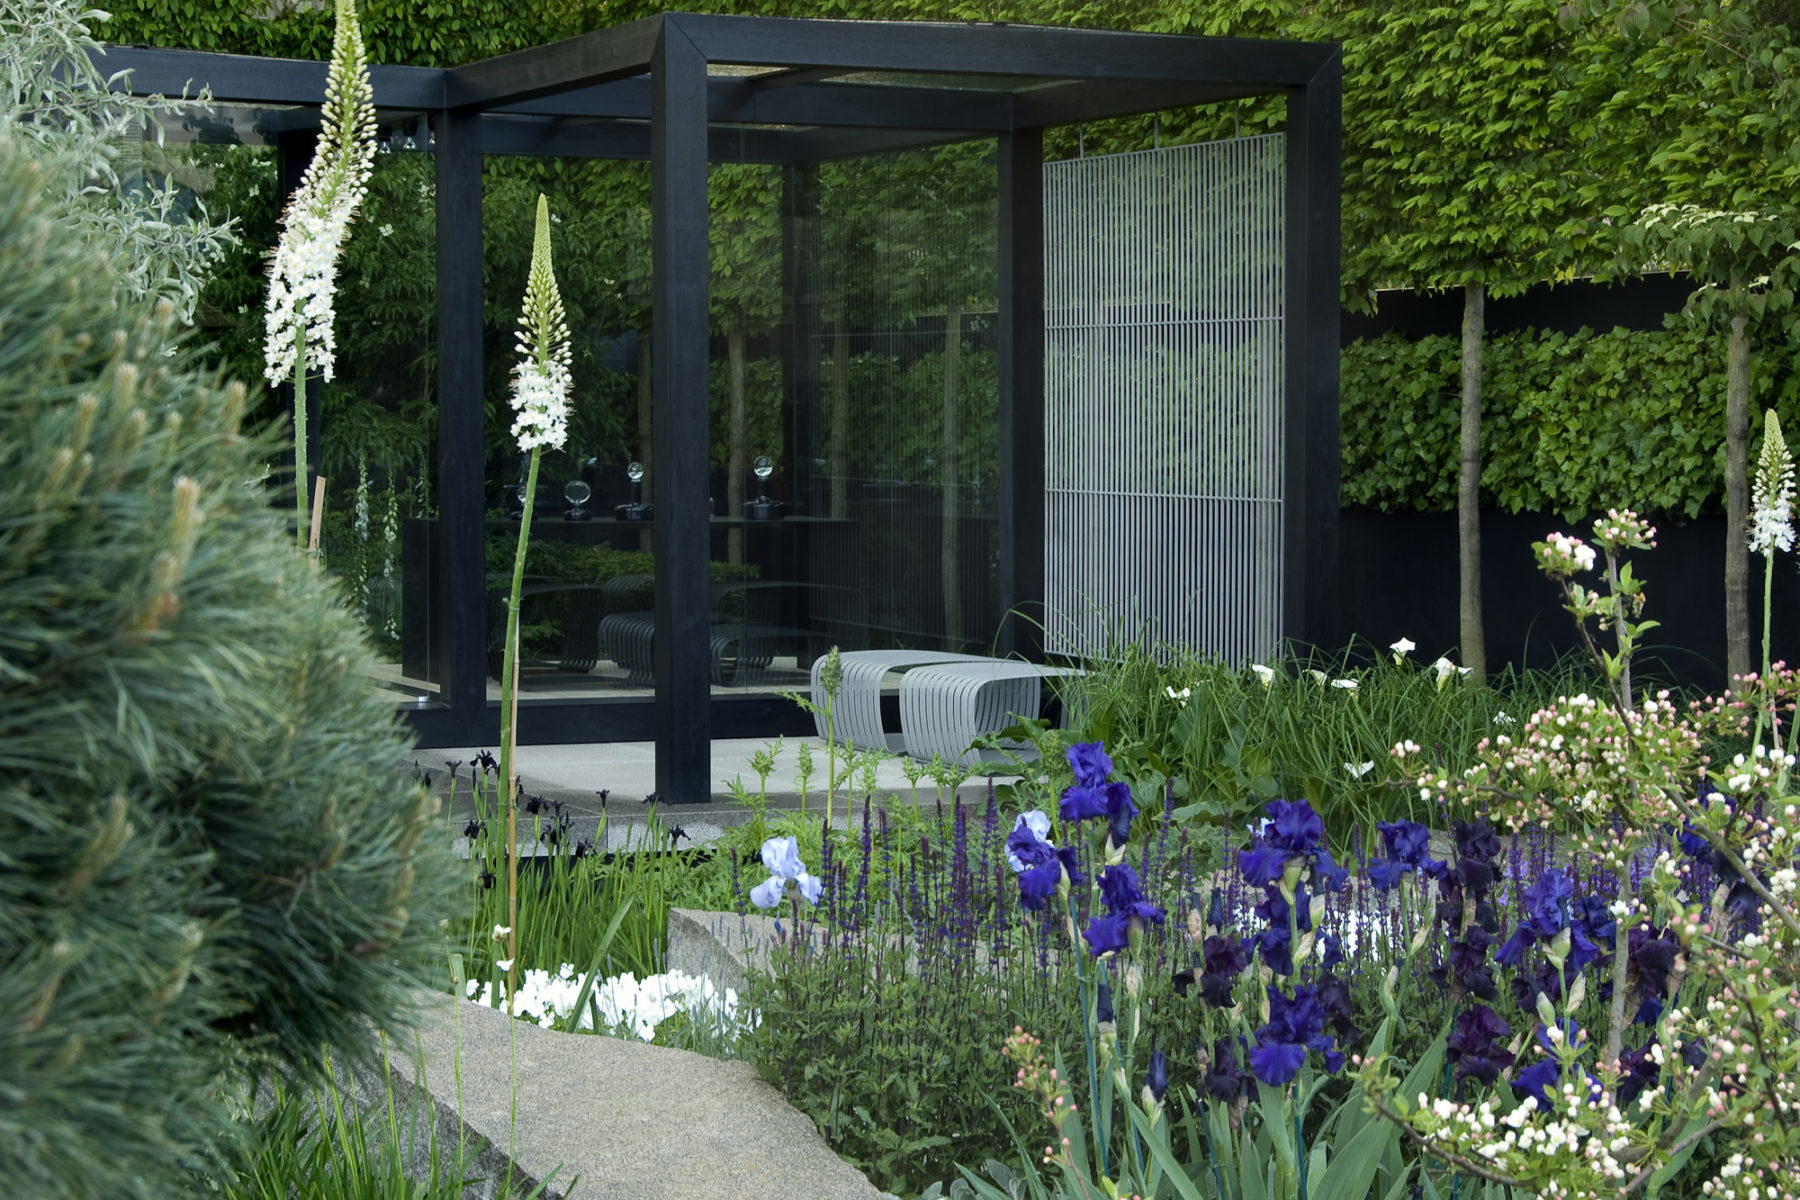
x,y
207,859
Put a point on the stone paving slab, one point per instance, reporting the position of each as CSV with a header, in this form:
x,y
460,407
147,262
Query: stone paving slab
x,y
604,1118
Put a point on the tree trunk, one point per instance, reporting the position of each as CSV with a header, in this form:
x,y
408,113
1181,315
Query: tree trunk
x,y
736,461
645,445
1468,486
1737,500
838,463
952,539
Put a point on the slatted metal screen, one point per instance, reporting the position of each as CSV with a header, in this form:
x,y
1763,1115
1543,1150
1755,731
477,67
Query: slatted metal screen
x,y
1164,282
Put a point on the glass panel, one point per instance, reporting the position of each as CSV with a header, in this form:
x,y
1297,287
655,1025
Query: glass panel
x,y
377,444
884,488
589,575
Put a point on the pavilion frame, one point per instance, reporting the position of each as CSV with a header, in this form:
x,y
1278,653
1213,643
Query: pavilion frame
x,y
644,90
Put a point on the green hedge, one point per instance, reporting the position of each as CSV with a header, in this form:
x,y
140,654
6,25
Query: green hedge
x,y
1571,422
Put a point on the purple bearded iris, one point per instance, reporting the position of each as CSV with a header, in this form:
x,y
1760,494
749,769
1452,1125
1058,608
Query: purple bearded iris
x,y
1223,1071
1650,958
1475,1046
1092,796
1292,832
1223,960
1039,865
1296,1024
1547,910
1408,847
1126,909
1276,940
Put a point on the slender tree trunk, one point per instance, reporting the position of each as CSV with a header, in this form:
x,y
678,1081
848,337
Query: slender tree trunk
x,y
646,448
1468,486
736,461
952,537
839,462
1737,499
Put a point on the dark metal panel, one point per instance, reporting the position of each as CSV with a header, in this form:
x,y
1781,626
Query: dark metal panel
x,y
557,138
984,49
1310,490
1021,369
244,78
838,104
567,722
824,145
460,625
574,62
1072,103
800,327
679,330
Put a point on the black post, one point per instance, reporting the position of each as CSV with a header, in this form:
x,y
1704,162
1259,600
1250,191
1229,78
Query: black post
x,y
1310,613
1021,370
459,627
294,150
679,329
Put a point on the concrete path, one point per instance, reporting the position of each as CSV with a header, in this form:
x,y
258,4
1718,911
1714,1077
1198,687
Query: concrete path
x,y
603,1118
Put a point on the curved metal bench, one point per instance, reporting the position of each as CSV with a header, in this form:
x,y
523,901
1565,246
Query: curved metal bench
x,y
856,711
944,707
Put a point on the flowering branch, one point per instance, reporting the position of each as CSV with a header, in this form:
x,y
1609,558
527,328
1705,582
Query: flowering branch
x,y
303,272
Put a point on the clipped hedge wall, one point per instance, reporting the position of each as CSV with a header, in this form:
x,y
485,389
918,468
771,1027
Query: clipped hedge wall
x,y
1571,422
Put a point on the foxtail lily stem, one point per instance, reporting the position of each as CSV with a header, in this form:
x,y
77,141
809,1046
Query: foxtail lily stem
x,y
509,728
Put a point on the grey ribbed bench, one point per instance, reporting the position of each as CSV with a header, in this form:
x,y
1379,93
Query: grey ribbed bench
x,y
856,711
946,706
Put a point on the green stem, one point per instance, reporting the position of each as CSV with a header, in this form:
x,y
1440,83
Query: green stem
x,y
509,702
1766,710
302,464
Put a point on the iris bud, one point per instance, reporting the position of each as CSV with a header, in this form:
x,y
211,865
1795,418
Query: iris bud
x,y
1546,1011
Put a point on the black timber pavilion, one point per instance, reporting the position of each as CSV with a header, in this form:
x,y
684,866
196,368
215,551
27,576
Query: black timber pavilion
x,y
686,91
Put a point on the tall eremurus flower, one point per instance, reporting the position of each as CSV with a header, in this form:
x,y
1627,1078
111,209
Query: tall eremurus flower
x,y
541,400
303,272
1771,529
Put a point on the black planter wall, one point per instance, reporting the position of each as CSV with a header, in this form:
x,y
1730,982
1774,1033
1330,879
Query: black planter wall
x,y
1399,580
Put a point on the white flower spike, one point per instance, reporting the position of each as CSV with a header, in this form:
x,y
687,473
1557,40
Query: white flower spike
x,y
303,274
541,380
1772,493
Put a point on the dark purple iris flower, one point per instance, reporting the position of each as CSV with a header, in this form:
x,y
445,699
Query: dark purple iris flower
x,y
1340,1012
1408,849
1111,801
1293,831
1275,941
1547,909
1651,957
1044,866
1263,864
1119,888
1476,1045
1476,840
1223,960
1103,1005
1090,763
1332,949
1224,1072
1534,1080
1125,904
1215,910
1296,1024
1157,1078
1294,827
1467,967
1640,1071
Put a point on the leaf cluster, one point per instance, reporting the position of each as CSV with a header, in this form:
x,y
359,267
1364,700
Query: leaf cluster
x,y
1575,423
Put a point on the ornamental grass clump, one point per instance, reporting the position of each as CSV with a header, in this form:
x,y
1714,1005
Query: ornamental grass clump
x,y
301,309
207,862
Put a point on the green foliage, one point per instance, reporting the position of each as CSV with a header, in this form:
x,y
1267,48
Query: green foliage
x,y
1575,422
206,858
1226,743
